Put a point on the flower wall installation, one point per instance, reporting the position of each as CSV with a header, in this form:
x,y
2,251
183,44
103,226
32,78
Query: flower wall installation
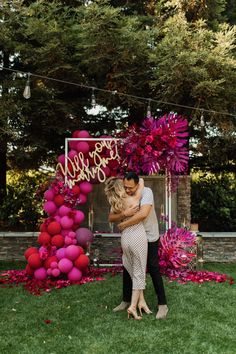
x,y
158,144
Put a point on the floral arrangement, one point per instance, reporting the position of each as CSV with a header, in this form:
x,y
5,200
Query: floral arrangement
x,y
158,144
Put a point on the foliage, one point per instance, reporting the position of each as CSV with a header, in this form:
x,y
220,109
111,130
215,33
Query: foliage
x,y
21,208
214,202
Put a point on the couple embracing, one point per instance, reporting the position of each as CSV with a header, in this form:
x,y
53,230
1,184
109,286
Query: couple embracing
x,y
132,207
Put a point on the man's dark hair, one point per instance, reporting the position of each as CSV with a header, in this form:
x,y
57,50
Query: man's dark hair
x,y
132,175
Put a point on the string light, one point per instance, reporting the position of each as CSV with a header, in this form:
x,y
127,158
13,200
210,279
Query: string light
x,y
202,121
93,99
149,112
27,92
121,93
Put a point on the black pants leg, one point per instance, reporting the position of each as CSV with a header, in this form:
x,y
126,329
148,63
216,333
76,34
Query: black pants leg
x,y
153,268
127,286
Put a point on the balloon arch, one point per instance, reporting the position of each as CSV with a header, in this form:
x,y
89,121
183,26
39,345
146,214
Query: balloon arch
x,y
159,144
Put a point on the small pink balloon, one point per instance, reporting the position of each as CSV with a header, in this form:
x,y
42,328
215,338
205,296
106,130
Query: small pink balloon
x,y
64,210
71,234
61,159
74,241
85,187
49,194
83,147
49,271
65,265
40,273
60,253
50,207
75,274
72,252
66,222
68,241
54,265
72,144
57,218
72,154
79,217
56,272
82,199
65,233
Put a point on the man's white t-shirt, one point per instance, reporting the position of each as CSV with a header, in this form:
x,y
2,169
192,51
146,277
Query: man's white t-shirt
x,y
150,223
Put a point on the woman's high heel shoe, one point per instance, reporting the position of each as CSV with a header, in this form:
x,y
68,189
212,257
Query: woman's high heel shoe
x,y
145,308
133,313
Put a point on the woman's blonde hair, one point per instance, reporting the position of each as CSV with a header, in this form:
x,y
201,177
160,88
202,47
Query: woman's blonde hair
x,y
115,193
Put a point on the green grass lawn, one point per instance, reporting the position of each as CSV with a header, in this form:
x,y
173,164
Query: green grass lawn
x,y
201,319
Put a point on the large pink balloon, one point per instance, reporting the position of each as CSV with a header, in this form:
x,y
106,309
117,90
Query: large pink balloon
x,y
75,274
79,217
72,252
66,222
61,159
49,194
72,154
65,265
85,187
82,199
50,207
83,134
40,273
83,236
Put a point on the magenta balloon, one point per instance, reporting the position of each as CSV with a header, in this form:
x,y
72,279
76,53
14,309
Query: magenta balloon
x,y
85,187
72,154
82,199
49,194
65,265
72,252
56,272
61,159
66,222
64,210
60,253
83,147
72,144
71,234
49,271
50,207
53,265
83,134
74,241
64,233
79,217
68,240
40,273
83,236
75,274
57,218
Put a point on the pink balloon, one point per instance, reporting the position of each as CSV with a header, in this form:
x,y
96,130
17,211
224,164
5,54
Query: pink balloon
x,y
79,217
72,252
83,236
61,159
50,207
71,234
75,274
82,199
72,154
49,194
85,187
72,144
64,210
68,241
60,253
66,222
49,271
65,265
83,134
53,265
82,146
56,272
74,241
40,273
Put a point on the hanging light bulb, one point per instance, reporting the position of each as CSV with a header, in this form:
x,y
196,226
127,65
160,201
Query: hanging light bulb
x,y
93,99
202,120
149,113
27,93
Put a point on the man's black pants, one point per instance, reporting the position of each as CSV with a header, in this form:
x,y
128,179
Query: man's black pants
x,y
153,269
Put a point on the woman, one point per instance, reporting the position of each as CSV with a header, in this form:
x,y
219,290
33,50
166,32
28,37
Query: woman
x,y
133,242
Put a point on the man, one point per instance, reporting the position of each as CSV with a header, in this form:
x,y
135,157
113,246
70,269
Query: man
x,y
146,214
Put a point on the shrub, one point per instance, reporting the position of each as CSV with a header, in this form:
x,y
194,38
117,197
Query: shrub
x,y
213,202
